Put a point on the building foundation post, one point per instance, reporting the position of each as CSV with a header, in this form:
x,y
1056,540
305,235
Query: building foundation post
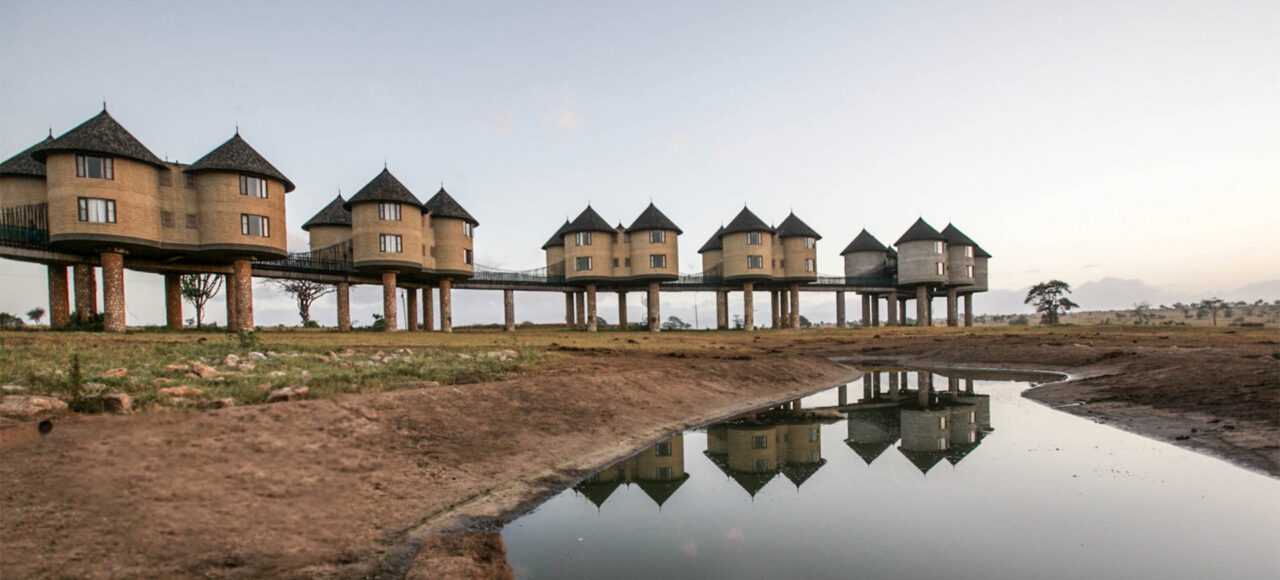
x,y
173,301
112,291
509,310
722,309
622,309
902,311
86,285
592,326
580,314
748,306
875,310
411,309
389,315
428,309
968,309
953,317
842,395
866,309
344,306
242,271
891,309
446,305
59,301
229,288
775,307
568,310
794,312
655,310
922,306
839,308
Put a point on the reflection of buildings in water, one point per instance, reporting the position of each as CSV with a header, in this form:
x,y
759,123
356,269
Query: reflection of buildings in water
x,y
658,471
931,426
754,448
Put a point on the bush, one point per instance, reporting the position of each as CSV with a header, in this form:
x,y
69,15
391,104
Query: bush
x,y
10,321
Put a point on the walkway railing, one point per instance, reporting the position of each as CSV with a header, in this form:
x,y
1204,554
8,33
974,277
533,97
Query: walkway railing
x,y
25,226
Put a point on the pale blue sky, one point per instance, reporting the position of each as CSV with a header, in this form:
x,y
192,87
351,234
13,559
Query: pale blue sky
x,y
1072,140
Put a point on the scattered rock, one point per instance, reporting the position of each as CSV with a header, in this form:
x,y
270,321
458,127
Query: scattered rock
x,y
348,352
219,403
231,360
257,356
405,351
161,381
276,374
287,394
12,389
117,403
180,391
28,407
177,368
466,380
331,355
115,373
272,354
386,360
204,371
322,357
464,356
246,367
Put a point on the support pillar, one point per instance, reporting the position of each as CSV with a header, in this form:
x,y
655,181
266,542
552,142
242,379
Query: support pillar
x,y
428,310
748,306
842,395
389,315
953,316
592,326
580,312
839,308
622,309
59,301
229,288
922,306
968,309
893,386
509,309
875,383
242,271
722,309
902,311
866,309
86,283
112,291
924,383
794,312
344,306
446,305
411,309
875,310
953,386
868,392
568,310
784,308
775,307
655,310
891,309
173,301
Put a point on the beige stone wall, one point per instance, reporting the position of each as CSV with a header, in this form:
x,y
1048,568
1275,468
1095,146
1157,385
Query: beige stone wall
x,y
600,251
858,264
957,265
621,254
925,430
742,457
181,200
221,205
450,242
712,260
16,190
324,236
979,276
793,256
642,248
648,462
133,189
736,251
555,260
917,263
366,227
428,248
802,441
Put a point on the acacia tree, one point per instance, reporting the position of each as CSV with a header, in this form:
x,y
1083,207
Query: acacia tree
x,y
305,293
35,314
1142,311
198,290
1212,305
1050,298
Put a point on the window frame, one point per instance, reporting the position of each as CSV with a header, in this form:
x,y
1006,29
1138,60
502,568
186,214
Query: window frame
x,y
389,211
164,177
968,270
249,191
968,251
657,236
810,242
263,222
166,219
108,166
578,262
759,441
755,259
659,258
662,449
108,210
468,230
755,239
942,271
939,247
810,265
390,243
582,239
193,221
468,257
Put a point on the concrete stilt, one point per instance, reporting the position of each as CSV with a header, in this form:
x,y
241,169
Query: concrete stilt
x,y
866,309
968,386
580,311
509,309
794,311
748,306
655,310
229,288
875,383
875,310
173,301
446,305
344,306
389,315
411,309
868,392
86,285
842,395
242,271
776,308
568,310
784,309
928,308
893,386
840,309
592,326
112,291
428,310
968,309
953,317
902,312
922,306
59,300
953,385
622,309
891,309
722,309
924,383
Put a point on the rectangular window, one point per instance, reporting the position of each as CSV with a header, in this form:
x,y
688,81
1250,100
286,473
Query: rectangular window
x,y
782,264
940,270
657,236
968,271
942,422
468,257
759,442
615,262
813,435
626,238
255,225
253,186
433,251
390,243
389,212
582,238
166,177
755,262
968,251
93,167
658,261
98,211
662,449
191,221
664,474
809,243
809,266
189,179
938,247
467,231
582,263
761,466
166,219
626,262
754,238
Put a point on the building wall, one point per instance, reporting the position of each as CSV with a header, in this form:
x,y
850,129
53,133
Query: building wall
x,y
324,236
428,249
18,190
450,242
712,260
735,254
925,430
793,256
555,261
648,461
742,456
859,264
799,446
366,227
642,248
220,206
917,263
181,200
133,189
979,276
600,251
957,262
621,254
963,425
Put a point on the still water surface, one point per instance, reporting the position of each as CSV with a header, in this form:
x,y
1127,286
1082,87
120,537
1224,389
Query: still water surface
x,y
875,480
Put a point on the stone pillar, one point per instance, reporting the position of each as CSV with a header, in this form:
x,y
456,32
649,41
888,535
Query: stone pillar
x,y
891,310
622,309
924,383
722,309
428,310
842,395
922,306
580,310
509,309
748,306
344,306
839,308
868,391
59,301
446,305
568,311
968,309
902,312
875,383
875,310
784,309
655,310
411,309
953,317
893,385
592,326
794,311
389,314
229,288
968,386
86,287
953,385
173,301
866,309
775,307
112,291
242,272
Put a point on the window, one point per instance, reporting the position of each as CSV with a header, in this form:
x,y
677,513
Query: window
x,y
968,271
582,239
809,266
626,262
433,251
166,219
658,261
759,442
815,457
189,179
615,262
467,231
755,262
940,270
937,247
813,435
968,251
809,243
626,238
253,186
942,422
92,167
254,225
761,466
99,211
664,474
754,238
424,250
582,263
390,243
191,221
166,177
657,236
389,212
662,449
782,263
468,257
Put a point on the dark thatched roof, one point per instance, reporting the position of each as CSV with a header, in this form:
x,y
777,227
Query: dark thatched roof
x,y
795,227
978,252
23,164
661,491
101,134
746,221
798,473
714,243
236,155
589,221
557,239
653,219
864,242
923,460
597,492
333,214
955,237
919,231
443,205
384,187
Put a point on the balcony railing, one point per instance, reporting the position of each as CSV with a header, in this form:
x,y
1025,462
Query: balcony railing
x,y
25,226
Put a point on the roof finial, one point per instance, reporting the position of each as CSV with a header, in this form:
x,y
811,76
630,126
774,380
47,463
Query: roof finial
x,y
104,104
50,131
237,129
384,164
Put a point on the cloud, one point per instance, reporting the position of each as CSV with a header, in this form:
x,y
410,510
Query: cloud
x,y
562,118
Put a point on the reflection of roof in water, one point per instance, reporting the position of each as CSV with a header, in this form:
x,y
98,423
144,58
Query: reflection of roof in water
x,y
750,481
957,453
597,491
661,491
923,460
870,451
887,419
798,473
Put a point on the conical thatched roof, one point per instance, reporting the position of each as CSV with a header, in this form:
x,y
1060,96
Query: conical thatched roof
x,y
653,219
237,156
557,239
443,205
798,473
746,221
920,230
978,252
333,214
589,221
714,243
23,163
101,134
793,226
955,237
597,492
661,491
864,242
384,187
923,460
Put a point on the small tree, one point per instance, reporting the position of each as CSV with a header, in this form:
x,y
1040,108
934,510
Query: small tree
x,y
674,323
305,293
1141,311
1050,299
35,314
805,322
199,289
1211,306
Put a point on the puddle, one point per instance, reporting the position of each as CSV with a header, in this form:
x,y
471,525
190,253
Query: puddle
x,y
874,479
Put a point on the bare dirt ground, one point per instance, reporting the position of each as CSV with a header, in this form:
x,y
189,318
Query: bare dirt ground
x,y
374,484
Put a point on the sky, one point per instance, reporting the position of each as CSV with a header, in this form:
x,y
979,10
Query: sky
x,y
1072,140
